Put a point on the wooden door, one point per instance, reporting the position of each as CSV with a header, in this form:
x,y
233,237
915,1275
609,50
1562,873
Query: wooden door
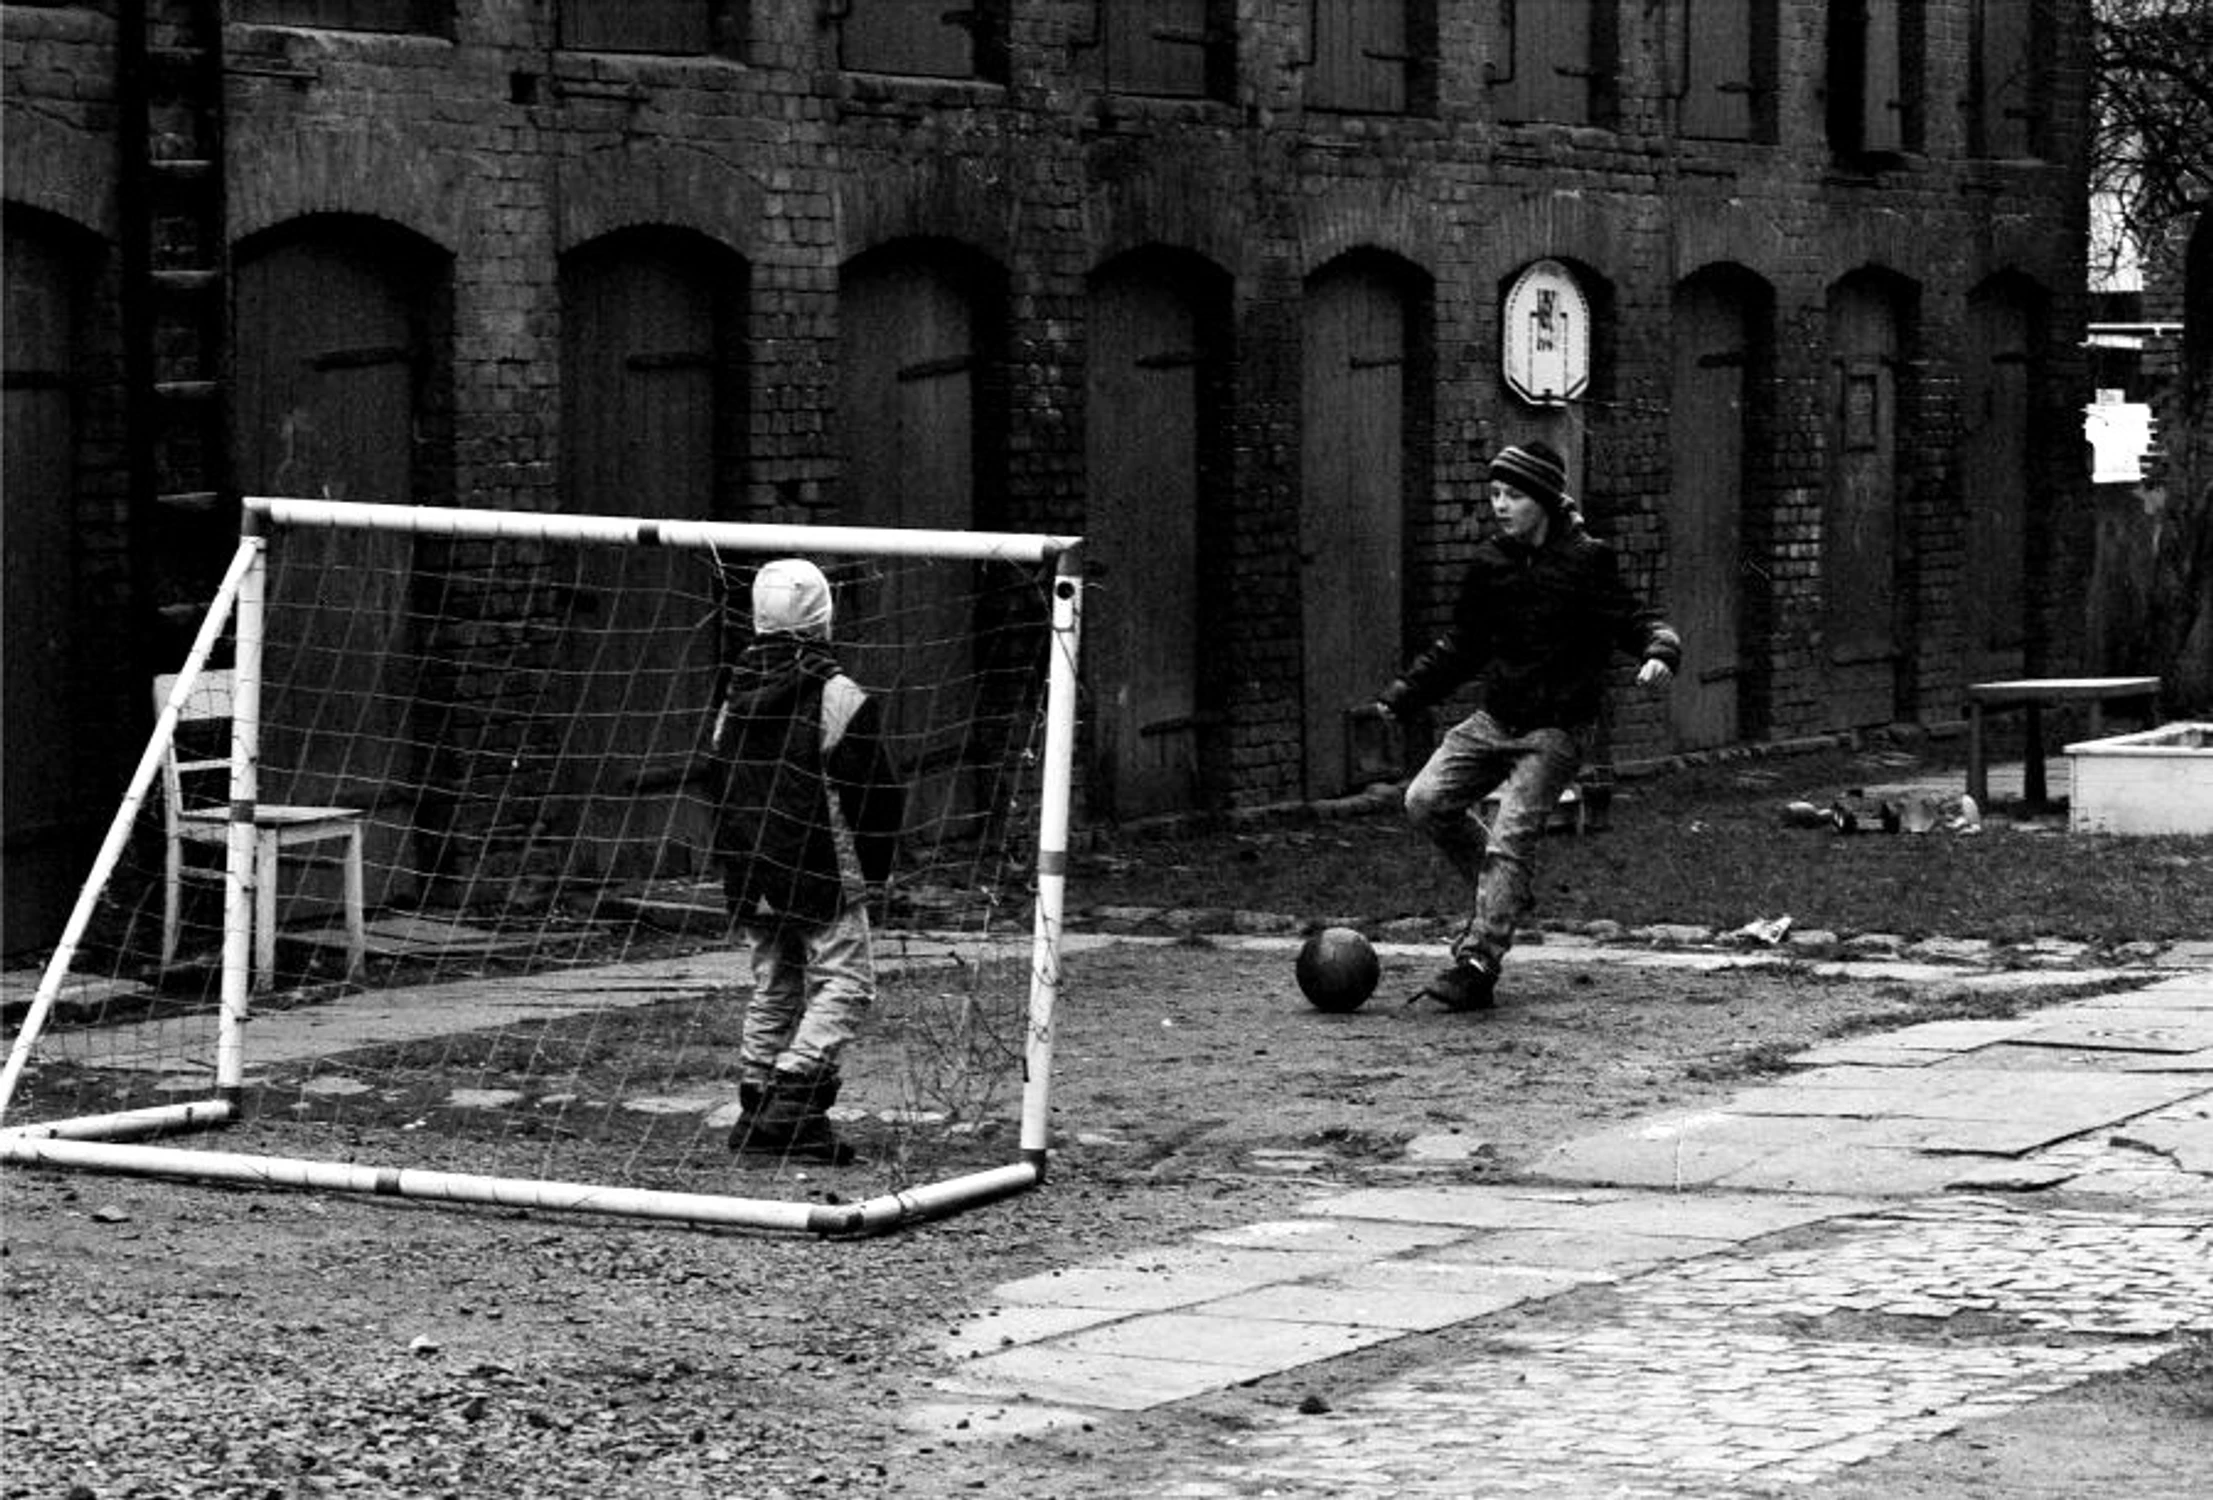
x,y
2007,97
1141,603
1362,54
1547,62
1704,590
918,38
1718,74
1156,46
1994,481
1352,506
640,377
327,350
1859,541
55,810
908,365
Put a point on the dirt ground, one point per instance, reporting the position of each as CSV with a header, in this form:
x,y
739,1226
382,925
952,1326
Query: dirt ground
x,y
166,1340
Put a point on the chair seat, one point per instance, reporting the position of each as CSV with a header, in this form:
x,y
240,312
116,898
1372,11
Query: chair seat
x,y
278,828
273,815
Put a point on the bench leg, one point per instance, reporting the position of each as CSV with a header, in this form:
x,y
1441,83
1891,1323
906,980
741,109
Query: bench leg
x,y
2032,763
1978,769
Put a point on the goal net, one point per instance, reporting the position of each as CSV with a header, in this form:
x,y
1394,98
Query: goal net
x,y
418,887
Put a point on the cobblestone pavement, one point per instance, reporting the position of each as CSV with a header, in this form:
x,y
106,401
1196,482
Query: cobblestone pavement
x,y
1779,1366
1848,1270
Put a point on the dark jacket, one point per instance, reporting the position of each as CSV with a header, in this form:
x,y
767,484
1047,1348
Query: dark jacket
x,y
1537,625
782,766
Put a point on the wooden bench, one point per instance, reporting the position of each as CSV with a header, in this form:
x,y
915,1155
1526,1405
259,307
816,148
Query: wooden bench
x,y
2030,695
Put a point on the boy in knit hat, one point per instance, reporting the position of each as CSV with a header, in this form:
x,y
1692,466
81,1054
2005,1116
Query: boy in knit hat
x,y
1540,611
807,823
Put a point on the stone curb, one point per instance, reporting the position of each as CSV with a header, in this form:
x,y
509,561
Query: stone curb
x,y
1812,945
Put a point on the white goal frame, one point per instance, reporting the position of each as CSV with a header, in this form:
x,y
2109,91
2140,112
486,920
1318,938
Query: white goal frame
x,y
115,1142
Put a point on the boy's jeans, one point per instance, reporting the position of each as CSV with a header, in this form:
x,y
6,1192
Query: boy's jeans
x,y
812,987
1528,771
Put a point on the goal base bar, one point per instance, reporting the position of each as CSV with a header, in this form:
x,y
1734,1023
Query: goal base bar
x,y
873,1216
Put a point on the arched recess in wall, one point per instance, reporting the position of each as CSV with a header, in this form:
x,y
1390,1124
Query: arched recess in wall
x,y
922,421
1865,677
341,333
1723,342
2000,529
49,785
1366,443
653,423
1572,426
1156,341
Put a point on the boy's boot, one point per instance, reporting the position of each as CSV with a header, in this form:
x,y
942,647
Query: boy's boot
x,y
791,1119
749,1133
813,1138
1470,984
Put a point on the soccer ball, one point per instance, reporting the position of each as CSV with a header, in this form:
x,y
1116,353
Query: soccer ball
x,y
1337,970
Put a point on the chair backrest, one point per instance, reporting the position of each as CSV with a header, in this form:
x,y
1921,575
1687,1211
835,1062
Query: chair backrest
x,y
196,771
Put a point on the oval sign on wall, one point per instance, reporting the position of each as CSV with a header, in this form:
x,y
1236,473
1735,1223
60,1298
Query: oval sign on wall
x,y
1545,336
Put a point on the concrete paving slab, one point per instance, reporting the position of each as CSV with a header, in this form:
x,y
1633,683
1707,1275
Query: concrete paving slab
x,y
1117,1382
992,1329
1255,1346
1360,1300
1461,1206
1867,1172
2116,1030
407,935
2184,1137
2077,1095
1608,1253
1718,1219
2174,1064
74,994
1929,1037
372,1018
1174,1276
1677,1159
1368,1237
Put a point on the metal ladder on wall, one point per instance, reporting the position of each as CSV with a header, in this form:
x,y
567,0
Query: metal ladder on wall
x,y
176,312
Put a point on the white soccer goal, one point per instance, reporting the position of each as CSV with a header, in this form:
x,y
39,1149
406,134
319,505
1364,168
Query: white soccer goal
x,y
452,928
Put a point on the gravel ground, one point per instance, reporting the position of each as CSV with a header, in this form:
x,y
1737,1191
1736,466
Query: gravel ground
x,y
171,1340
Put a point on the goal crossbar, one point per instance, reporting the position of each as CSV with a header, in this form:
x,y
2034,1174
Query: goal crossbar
x,y
114,1141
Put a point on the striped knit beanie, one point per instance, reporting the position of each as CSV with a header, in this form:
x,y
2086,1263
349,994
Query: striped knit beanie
x,y
1534,469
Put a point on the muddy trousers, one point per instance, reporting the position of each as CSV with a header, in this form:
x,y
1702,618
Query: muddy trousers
x,y
813,984
1527,772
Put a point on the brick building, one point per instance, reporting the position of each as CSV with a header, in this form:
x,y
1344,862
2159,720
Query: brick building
x,y
1222,286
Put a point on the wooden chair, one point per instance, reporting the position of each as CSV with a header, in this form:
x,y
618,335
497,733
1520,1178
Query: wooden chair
x,y
195,785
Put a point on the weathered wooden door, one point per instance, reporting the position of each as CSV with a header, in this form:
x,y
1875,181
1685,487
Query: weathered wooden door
x,y
54,813
1362,54
1719,78
908,364
1994,480
1156,46
328,349
641,363
1352,505
1141,619
1704,591
1546,64
920,38
1859,526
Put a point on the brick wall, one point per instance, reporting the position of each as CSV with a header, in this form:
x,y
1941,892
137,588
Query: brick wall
x,y
497,153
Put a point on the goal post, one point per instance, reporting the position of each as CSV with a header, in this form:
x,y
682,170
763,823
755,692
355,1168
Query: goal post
x,y
455,902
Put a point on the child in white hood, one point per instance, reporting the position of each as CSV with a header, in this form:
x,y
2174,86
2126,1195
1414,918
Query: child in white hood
x,y
807,823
